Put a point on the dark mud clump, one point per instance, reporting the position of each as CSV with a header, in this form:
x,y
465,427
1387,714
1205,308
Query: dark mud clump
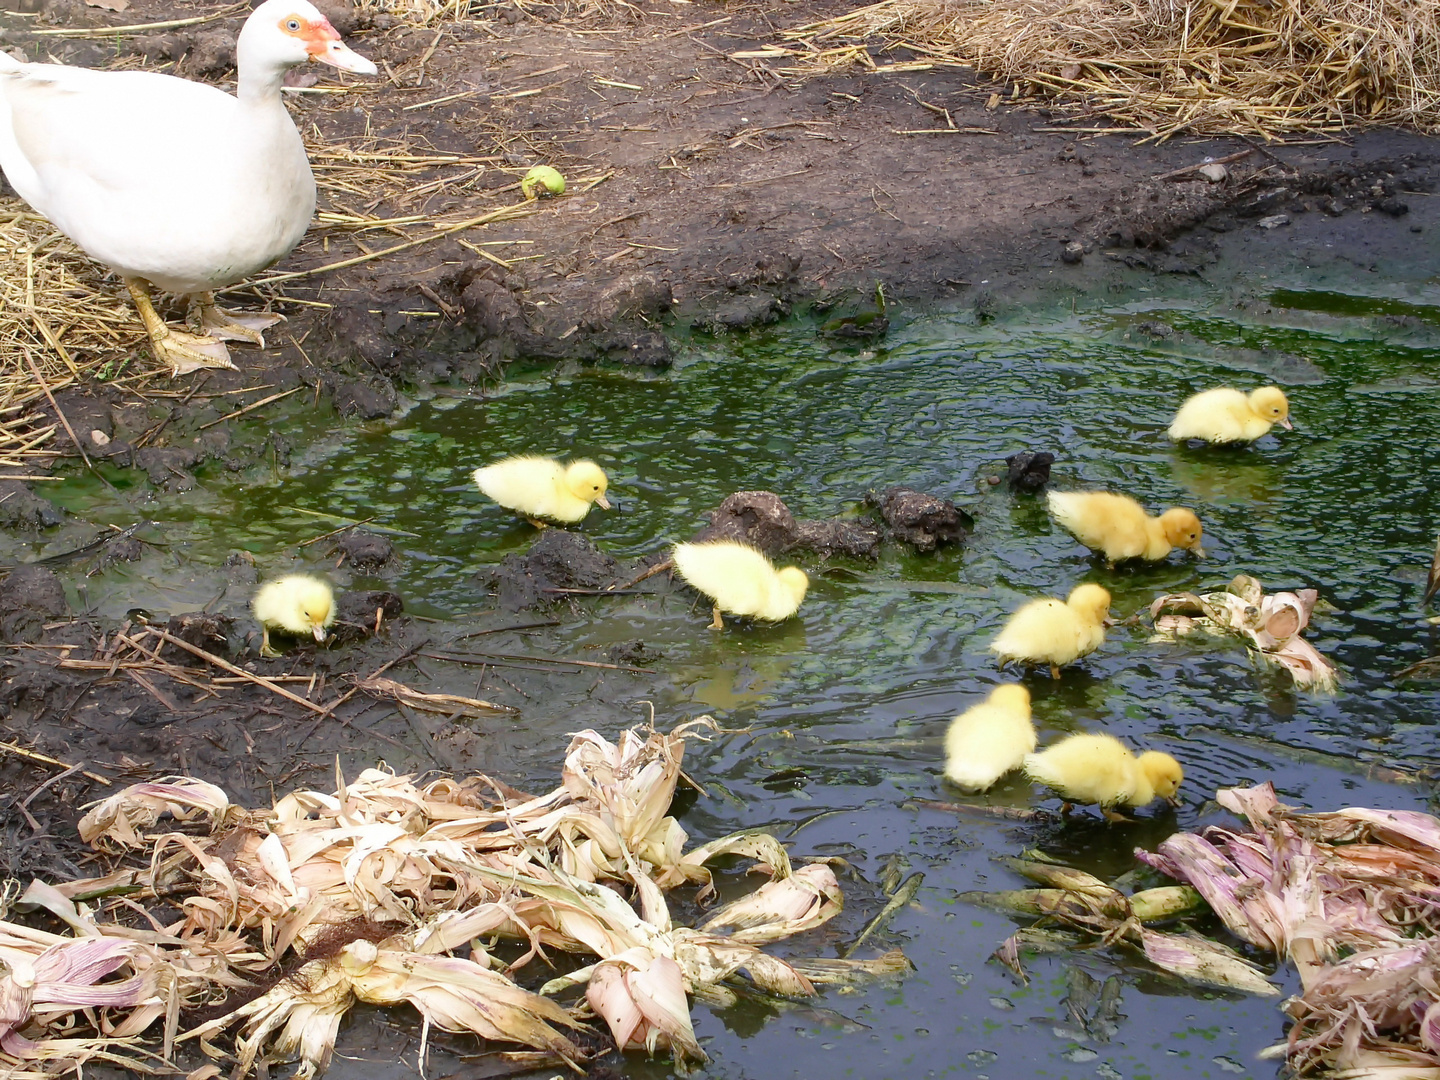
x,y
762,519
923,521
358,614
198,628
29,598
558,560
365,551
1029,471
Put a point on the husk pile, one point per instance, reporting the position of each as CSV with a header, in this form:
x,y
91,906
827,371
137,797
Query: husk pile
x,y
1262,67
1353,898
375,888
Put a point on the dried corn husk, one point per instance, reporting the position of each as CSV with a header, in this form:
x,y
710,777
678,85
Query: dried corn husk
x,y
139,806
1271,624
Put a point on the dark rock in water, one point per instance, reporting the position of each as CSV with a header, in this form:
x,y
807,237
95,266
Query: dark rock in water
x,y
29,598
744,313
759,518
559,559
923,521
21,508
369,399
632,654
365,550
1029,470
198,628
858,539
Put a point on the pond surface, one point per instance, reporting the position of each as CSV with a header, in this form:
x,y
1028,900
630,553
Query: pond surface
x,y
843,710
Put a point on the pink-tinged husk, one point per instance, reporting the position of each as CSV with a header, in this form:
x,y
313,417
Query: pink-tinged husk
x,y
1205,962
1310,883
641,997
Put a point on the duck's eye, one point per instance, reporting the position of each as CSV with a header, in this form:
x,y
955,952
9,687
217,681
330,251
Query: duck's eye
x,y
293,25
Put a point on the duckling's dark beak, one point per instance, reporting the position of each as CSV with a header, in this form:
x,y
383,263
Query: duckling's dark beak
x,y
602,502
319,632
1173,800
1286,424
1199,551
1109,620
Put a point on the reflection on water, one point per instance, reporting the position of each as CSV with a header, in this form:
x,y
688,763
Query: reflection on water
x,y
843,710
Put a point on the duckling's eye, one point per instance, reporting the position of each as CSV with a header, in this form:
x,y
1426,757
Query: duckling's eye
x,y
293,25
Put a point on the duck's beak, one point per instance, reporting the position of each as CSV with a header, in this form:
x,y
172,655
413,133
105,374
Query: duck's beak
x,y
1109,620
1199,551
602,502
1286,424
319,632
324,44
1174,800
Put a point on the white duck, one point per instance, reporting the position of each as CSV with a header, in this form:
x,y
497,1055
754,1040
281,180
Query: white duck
x,y
174,183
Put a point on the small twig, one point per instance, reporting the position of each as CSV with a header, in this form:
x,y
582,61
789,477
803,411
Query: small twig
x,y
225,665
1226,160
658,568
34,370
903,895
334,532
71,771
253,406
46,759
476,658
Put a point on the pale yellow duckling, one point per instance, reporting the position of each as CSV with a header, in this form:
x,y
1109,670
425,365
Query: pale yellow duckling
x,y
740,580
1225,415
988,740
543,489
1101,769
295,604
1054,632
1118,527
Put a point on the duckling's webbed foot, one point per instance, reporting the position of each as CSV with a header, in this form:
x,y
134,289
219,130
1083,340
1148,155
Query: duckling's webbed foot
x,y
233,325
717,623
537,523
1054,671
182,353
1115,818
266,649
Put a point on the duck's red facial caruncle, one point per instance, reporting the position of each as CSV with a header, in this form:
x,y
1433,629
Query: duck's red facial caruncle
x,y
322,43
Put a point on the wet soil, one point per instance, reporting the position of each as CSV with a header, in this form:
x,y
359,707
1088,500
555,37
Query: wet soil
x,y
733,193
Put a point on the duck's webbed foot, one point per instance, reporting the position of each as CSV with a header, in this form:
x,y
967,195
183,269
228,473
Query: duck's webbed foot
x,y
182,353
717,623
234,325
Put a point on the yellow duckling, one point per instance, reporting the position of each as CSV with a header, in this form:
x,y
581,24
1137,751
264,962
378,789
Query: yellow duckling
x,y
1101,769
1055,633
1224,415
295,604
988,740
1118,527
739,579
542,488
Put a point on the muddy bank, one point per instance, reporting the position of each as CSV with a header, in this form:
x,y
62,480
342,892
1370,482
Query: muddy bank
x,y
719,193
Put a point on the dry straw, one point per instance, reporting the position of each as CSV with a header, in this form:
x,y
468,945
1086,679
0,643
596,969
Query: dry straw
x,y
1262,67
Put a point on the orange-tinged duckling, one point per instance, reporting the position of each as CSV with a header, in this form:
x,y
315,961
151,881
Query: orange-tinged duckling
x,y
1054,632
1101,769
1225,415
988,740
297,604
1118,527
739,579
543,489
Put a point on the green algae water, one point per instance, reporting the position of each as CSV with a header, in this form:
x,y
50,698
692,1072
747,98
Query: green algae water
x,y
835,719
